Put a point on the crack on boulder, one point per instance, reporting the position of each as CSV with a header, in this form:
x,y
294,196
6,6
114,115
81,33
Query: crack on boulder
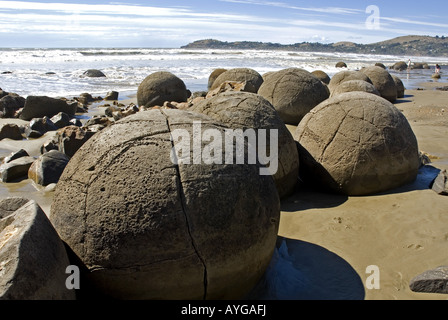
x,y
182,202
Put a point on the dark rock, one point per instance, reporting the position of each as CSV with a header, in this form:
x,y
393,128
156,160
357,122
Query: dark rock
x,y
9,105
400,66
445,88
159,87
156,236
113,95
38,127
94,73
341,65
110,110
48,168
440,184
48,146
16,169
431,281
76,122
16,155
34,259
379,64
40,106
103,120
61,120
436,76
10,131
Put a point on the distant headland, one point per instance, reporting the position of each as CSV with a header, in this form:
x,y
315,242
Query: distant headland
x,y
406,45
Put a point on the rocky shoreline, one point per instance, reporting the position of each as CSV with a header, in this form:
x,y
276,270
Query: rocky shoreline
x,y
71,151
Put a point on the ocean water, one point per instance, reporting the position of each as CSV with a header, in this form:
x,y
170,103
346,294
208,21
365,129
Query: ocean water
x,y
58,72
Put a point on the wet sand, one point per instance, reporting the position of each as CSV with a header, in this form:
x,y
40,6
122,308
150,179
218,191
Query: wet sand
x,y
326,242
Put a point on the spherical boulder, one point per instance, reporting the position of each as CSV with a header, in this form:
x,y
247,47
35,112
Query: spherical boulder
x,y
94,73
341,64
346,75
150,220
252,77
322,76
400,66
241,110
400,86
357,144
159,87
383,82
215,74
355,85
293,92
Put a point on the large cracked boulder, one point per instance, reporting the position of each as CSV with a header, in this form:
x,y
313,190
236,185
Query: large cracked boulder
x,y
240,110
383,82
357,143
159,87
250,76
293,92
149,225
33,259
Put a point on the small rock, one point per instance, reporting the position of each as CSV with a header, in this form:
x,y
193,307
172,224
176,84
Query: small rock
x,y
431,281
113,95
440,184
16,155
48,168
16,169
71,138
10,131
61,120
39,126
94,73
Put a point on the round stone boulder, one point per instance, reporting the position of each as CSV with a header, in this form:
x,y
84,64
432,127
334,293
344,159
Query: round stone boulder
x,y
400,86
94,73
356,144
150,218
250,76
159,87
341,64
293,92
249,111
383,82
355,85
322,76
215,74
346,75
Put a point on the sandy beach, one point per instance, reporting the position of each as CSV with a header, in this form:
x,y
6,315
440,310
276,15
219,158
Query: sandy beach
x,y
402,232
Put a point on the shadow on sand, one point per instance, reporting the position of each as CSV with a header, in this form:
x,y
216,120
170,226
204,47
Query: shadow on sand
x,y
304,271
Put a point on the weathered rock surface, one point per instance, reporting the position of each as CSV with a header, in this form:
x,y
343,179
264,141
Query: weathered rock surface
x,y
215,74
293,92
431,281
156,236
400,86
48,168
159,87
71,138
357,144
251,111
322,76
33,259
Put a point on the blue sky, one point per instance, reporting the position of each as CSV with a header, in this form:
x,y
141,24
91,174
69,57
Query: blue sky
x,y
171,24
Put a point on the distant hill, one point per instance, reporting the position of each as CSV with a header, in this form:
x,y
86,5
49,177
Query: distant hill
x,y
407,45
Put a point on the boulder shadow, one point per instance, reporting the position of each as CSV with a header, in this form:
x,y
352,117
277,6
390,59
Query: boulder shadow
x,y
304,271
424,181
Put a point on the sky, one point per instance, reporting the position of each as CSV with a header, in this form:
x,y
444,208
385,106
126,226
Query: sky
x,y
171,24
